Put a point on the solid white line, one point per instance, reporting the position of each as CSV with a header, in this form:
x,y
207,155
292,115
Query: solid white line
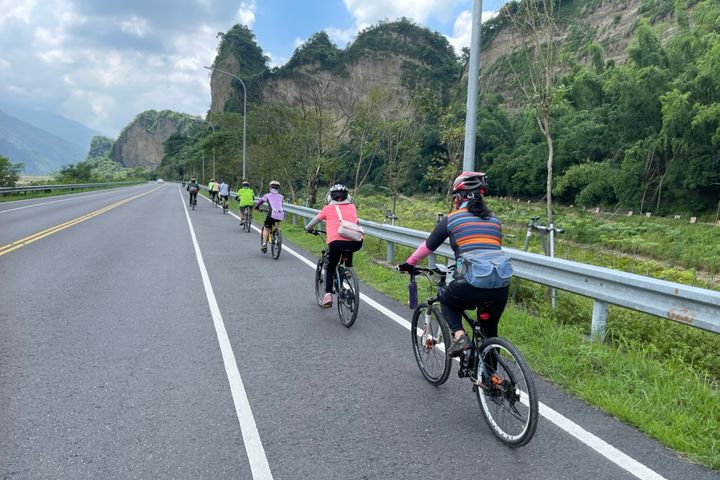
x,y
596,443
602,447
76,197
251,438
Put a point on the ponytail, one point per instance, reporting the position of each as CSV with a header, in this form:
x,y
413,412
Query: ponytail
x,y
477,207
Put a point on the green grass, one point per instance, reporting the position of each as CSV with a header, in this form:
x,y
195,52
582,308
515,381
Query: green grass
x,y
663,394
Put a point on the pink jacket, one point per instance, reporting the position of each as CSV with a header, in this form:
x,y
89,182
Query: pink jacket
x,y
332,222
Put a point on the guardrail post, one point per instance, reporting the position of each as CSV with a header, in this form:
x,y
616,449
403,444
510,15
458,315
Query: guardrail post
x,y
294,219
390,256
432,260
599,316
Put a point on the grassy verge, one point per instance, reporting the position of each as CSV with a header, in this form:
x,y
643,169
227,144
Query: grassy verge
x,y
663,396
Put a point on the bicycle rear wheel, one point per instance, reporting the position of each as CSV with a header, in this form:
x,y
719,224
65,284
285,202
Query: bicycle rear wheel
x,y
507,394
348,298
320,279
276,244
247,219
431,340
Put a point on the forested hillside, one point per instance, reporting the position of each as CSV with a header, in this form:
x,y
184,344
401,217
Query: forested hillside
x,y
634,109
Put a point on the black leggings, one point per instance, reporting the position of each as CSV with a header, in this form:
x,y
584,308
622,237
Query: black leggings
x,y
460,295
193,196
335,250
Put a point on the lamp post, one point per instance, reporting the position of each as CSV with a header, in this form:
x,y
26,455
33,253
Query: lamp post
x,y
244,111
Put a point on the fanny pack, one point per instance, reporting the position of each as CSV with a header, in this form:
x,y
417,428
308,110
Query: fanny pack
x,y
485,269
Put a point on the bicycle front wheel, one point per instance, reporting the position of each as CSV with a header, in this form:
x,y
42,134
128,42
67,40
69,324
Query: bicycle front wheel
x,y
276,244
506,392
348,298
320,279
430,341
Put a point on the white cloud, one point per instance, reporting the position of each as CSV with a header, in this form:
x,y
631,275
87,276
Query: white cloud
x,y
135,26
341,37
276,61
16,9
462,29
246,13
367,12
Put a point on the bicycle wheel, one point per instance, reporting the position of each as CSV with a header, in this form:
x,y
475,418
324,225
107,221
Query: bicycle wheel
x,y
431,340
247,219
348,298
276,244
506,393
320,279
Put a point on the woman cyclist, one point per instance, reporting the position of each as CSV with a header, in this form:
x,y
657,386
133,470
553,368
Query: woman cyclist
x,y
338,204
275,213
472,228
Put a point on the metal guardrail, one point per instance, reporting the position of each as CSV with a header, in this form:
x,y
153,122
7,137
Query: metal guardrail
x,y
47,188
685,304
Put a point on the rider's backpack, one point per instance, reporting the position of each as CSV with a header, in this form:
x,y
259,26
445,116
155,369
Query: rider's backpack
x,y
485,268
192,188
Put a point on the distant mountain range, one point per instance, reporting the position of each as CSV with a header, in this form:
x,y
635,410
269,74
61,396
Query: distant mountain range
x,y
41,140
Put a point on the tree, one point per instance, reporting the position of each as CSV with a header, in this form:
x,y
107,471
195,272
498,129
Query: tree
x,y
9,172
534,20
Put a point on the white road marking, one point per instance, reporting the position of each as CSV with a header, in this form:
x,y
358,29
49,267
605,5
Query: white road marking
x,y
251,438
596,443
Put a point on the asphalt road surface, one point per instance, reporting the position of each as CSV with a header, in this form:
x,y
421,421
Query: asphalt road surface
x,y
142,340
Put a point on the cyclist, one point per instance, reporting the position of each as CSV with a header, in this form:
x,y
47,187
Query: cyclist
x,y
193,188
224,192
211,189
338,204
246,198
275,213
471,228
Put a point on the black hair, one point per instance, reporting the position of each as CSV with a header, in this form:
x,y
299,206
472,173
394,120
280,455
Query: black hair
x,y
477,207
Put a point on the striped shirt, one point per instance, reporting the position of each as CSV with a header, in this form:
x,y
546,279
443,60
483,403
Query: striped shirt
x,y
467,232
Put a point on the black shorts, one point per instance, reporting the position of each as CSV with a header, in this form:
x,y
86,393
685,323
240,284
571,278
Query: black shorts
x,y
269,221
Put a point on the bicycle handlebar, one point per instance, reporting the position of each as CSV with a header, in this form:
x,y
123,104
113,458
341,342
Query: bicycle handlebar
x,y
316,232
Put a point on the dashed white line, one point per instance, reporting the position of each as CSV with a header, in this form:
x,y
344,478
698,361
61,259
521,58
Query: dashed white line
x,y
76,197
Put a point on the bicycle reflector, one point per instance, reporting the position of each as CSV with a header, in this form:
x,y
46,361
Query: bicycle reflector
x,y
484,316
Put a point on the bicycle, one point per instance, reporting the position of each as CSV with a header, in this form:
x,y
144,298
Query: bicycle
x,y
274,240
193,200
499,374
247,219
224,205
346,285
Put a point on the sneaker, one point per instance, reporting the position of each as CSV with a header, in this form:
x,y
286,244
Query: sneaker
x,y
326,301
264,248
458,345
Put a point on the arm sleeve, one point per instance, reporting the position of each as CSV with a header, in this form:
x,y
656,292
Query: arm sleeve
x,y
260,202
436,238
421,252
317,219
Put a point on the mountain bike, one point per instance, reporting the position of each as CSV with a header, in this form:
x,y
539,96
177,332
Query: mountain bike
x,y
497,371
193,200
224,205
345,285
274,240
247,220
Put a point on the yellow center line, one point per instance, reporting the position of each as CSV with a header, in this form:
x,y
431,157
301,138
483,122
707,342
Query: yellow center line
x,y
49,231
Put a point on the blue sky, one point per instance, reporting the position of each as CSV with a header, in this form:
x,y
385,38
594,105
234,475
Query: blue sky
x,y
103,62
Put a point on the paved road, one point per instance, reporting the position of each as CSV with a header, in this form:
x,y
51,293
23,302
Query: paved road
x,y
116,361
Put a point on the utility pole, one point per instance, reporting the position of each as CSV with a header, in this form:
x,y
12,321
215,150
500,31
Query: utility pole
x,y
473,86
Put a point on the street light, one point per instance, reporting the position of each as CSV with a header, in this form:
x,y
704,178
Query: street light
x,y
244,110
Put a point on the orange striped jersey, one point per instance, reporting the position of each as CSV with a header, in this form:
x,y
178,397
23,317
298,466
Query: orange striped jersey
x,y
467,232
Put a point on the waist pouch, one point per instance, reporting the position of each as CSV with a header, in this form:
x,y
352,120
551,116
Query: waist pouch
x,y
277,214
490,269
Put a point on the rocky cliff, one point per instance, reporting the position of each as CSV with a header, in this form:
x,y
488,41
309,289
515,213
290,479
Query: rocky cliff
x,y
141,143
